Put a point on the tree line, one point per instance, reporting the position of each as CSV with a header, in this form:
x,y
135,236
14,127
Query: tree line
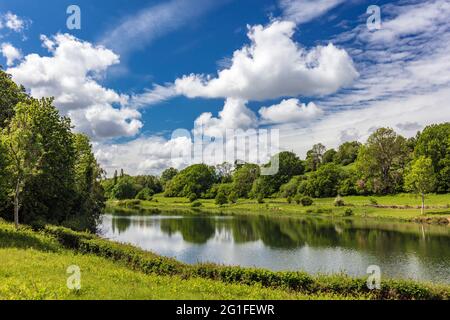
x,y
387,163
48,174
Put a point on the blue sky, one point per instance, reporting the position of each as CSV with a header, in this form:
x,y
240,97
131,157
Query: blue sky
x,y
137,70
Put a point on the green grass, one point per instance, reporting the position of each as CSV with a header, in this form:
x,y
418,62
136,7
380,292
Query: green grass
x,y
404,207
32,274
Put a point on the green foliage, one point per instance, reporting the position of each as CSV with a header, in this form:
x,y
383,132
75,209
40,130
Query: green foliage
x,y
168,175
192,197
233,197
50,173
339,202
197,178
145,194
420,177
89,200
314,157
260,198
289,189
124,189
324,182
348,183
196,204
306,201
243,178
261,187
329,156
348,212
289,165
221,198
378,169
10,95
127,186
434,143
381,161
347,153
25,149
3,176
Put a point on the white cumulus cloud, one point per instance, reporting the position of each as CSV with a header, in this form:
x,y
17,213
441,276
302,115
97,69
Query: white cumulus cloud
x,y
290,110
144,155
234,115
70,74
12,22
274,66
10,53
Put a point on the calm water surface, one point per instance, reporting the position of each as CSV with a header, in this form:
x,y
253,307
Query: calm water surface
x,y
406,250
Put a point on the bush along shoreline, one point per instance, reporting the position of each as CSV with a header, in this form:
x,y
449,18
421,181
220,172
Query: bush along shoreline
x,y
150,263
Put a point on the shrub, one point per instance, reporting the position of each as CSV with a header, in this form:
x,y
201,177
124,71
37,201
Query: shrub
x,y
67,237
145,194
124,189
373,201
192,197
233,197
289,199
348,212
197,178
339,202
221,198
297,199
306,201
260,198
196,204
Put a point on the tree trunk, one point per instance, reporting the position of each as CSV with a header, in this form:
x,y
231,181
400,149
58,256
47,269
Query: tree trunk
x,y
16,204
423,203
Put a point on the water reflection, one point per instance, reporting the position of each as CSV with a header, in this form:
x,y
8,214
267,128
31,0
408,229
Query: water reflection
x,y
311,244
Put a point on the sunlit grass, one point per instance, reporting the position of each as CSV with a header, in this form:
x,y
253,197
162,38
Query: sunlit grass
x,y
401,206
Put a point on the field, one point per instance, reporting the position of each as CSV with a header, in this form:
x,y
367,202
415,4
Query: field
x,y
405,207
33,266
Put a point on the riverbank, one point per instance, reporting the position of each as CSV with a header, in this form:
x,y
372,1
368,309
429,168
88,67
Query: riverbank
x,y
34,266
402,207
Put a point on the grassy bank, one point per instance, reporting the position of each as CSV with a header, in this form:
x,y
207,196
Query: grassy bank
x,y
34,266
404,207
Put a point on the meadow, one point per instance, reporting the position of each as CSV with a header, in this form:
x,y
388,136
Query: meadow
x,y
401,207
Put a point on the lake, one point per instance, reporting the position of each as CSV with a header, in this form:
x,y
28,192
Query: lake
x,y
314,245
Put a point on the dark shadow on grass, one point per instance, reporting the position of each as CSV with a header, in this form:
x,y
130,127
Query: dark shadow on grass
x,y
431,213
25,240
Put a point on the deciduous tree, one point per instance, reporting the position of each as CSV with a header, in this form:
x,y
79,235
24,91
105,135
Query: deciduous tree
x,y
420,178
